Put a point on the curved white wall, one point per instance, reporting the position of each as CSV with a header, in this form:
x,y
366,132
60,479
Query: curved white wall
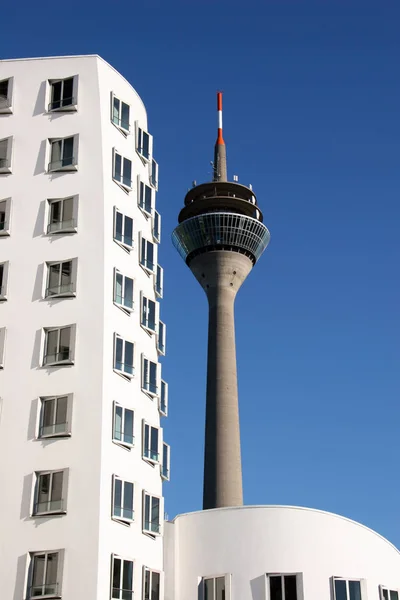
x,y
249,542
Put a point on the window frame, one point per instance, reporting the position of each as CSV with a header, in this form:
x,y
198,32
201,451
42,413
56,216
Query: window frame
x,y
126,308
148,454
122,372
163,399
63,226
226,576
148,570
73,107
4,281
153,179
61,168
159,275
148,266
299,584
120,182
122,442
62,510
139,132
54,434
71,293
6,106
131,591
6,229
58,584
148,386
122,519
165,469
383,588
156,232
71,358
159,530
3,336
7,166
124,130
123,244
161,347
359,580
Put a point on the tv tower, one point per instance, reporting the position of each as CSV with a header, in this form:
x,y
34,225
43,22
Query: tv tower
x,y
221,236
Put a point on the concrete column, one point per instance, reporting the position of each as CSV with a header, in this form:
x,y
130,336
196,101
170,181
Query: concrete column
x,y
221,273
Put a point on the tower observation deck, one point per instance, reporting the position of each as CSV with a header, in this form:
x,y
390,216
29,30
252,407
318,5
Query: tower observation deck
x,y
221,236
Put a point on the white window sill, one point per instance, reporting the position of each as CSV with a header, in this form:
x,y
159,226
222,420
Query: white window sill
x,y
152,534
49,514
61,295
160,352
68,108
61,363
148,330
123,445
66,230
6,110
3,298
122,521
163,477
4,232
49,436
47,597
147,214
149,393
69,168
5,170
123,374
151,461
125,309
143,158
125,132
148,271
125,247
126,188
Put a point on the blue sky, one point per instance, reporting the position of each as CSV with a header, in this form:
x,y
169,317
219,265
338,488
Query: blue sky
x,y
311,119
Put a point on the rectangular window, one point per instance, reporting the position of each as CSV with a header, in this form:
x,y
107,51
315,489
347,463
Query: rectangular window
x,y
215,588
144,143
165,462
153,174
122,170
61,279
151,443
123,229
164,399
6,86
63,94
156,227
120,113
149,317
151,514
145,198
3,280
282,587
346,589
386,594
55,412
123,357
5,210
123,291
50,493
151,584
2,346
62,215
147,255
5,155
44,575
122,500
121,578
150,371
123,430
63,154
58,346
159,281
161,337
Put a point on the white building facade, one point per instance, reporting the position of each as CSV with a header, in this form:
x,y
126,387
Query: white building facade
x,y
82,455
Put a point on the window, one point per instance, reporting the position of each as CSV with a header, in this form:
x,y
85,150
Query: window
x,y
63,154
282,587
123,357
151,514
151,584
122,500
159,281
123,229
3,280
147,255
157,227
153,173
55,412
161,337
44,575
123,426
6,86
164,399
123,291
63,94
5,155
145,198
2,346
62,215
165,461
215,588
50,493
61,279
119,113
386,594
149,309
59,346
151,443
122,171
121,578
150,372
346,589
144,143
5,209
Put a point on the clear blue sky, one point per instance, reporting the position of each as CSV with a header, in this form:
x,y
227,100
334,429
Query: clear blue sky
x,y
311,116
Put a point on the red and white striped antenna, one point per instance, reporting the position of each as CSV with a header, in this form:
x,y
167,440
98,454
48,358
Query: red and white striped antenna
x,y
220,139
220,170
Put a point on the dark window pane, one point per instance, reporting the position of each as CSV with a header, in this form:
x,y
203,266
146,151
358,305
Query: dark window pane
x,y
56,491
117,573
155,586
68,147
61,415
290,587
67,93
209,589
117,166
56,94
340,589
355,590
38,570
118,226
394,595
128,230
55,212
117,497
51,572
127,582
275,587
48,413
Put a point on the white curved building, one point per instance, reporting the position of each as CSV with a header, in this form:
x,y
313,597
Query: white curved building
x,y
82,456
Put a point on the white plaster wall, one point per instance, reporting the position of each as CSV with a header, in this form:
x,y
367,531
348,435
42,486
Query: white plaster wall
x,y
248,542
87,533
